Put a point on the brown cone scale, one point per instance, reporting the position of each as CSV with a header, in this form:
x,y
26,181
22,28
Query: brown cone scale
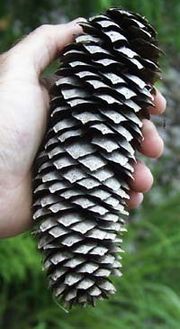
x,y
83,169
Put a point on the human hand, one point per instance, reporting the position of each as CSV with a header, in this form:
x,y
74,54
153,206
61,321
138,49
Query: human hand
x,y
24,109
152,146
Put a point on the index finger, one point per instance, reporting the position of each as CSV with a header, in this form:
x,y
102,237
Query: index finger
x,y
159,102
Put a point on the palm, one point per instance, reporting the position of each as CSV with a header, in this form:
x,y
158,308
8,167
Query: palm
x,y
23,123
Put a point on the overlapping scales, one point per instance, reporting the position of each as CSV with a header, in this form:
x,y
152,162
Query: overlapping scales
x,y
86,162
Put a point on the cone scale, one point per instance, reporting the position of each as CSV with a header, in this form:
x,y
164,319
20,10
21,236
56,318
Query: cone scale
x,y
84,167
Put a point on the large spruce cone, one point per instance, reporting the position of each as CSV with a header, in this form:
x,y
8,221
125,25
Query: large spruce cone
x,y
86,162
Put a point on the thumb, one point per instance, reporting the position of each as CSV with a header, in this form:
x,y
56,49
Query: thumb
x,y
41,47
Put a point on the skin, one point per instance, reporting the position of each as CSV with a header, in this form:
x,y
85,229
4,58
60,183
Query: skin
x,y
24,103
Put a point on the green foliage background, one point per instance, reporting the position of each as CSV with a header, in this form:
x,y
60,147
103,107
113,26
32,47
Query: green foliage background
x,y
148,294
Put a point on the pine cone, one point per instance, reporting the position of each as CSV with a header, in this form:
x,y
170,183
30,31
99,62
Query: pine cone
x,y
83,169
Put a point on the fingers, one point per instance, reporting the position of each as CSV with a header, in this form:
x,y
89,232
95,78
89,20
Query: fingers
x,y
143,178
159,102
152,144
135,200
142,183
42,45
